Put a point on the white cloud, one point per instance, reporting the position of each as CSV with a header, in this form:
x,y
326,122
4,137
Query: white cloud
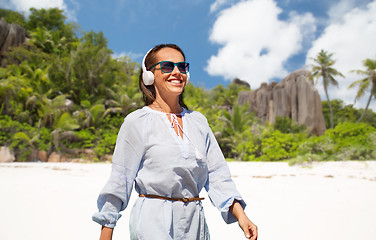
x,y
217,4
342,7
255,43
352,40
339,9
25,5
306,25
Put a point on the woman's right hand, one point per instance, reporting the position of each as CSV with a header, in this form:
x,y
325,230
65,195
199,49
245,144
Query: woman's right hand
x,y
106,233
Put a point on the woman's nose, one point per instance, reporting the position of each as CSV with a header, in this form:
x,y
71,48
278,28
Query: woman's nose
x,y
175,70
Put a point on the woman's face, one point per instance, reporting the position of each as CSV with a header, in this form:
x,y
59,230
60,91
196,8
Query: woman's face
x,y
169,84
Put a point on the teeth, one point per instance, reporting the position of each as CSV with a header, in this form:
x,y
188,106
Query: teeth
x,y
175,81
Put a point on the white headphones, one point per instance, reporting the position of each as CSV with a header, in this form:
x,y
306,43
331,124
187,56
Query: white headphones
x,y
148,76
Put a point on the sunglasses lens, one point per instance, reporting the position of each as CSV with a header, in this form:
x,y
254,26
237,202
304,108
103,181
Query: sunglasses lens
x,y
183,67
167,67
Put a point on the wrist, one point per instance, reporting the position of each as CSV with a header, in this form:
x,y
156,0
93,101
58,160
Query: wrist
x,y
243,218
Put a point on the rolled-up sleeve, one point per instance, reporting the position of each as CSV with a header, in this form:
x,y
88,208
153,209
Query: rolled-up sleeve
x,y
220,187
126,160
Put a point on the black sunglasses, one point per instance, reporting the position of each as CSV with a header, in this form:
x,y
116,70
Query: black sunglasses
x,y
168,66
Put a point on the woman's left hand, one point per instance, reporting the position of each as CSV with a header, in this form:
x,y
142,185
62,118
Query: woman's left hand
x,y
248,227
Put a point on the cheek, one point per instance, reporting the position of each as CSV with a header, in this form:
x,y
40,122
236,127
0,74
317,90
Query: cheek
x,y
158,78
160,81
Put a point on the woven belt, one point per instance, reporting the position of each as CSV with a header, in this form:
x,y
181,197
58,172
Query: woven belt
x,y
185,200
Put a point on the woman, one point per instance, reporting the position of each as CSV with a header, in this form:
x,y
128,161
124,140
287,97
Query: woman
x,y
170,154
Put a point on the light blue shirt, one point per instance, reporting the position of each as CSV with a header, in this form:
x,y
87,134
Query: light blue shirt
x,y
149,154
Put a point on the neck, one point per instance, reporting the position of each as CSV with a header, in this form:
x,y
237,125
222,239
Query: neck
x,y
167,106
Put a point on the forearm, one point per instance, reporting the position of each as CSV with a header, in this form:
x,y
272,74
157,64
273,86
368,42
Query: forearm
x,y
237,211
106,233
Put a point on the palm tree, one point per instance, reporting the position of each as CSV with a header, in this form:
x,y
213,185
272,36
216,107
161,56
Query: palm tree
x,y
50,110
14,90
90,115
366,83
238,119
63,129
121,103
323,68
38,77
30,147
48,41
236,129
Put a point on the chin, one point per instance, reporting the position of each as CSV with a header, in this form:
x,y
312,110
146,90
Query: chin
x,y
177,89
177,92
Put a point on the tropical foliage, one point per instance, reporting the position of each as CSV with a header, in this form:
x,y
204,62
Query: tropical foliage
x,y
68,94
347,141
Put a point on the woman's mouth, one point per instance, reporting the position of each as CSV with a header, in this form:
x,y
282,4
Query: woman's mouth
x,y
175,81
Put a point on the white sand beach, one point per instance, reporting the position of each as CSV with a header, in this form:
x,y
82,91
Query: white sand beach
x,y
326,201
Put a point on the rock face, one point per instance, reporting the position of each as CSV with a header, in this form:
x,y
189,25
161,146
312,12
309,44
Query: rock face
x,y
42,156
294,97
240,82
10,35
56,157
6,155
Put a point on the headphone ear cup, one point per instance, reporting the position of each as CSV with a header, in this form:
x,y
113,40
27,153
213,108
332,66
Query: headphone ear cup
x,y
148,78
188,77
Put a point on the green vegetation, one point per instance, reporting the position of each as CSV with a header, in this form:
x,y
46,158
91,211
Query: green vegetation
x,y
347,141
64,93
12,17
346,113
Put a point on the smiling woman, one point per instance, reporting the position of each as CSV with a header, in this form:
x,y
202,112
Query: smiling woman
x,y
170,154
166,83
149,73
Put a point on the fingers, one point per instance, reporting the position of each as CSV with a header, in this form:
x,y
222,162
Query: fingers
x,y
250,232
254,232
248,227
247,234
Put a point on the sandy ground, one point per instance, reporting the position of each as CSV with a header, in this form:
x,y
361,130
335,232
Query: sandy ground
x,y
332,200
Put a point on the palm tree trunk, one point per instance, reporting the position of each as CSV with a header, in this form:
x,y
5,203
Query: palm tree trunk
x,y
368,102
330,108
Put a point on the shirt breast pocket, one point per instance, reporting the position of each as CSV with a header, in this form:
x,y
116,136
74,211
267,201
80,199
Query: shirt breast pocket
x,y
200,159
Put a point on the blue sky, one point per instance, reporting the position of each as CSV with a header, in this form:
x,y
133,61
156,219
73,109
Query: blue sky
x,y
254,40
